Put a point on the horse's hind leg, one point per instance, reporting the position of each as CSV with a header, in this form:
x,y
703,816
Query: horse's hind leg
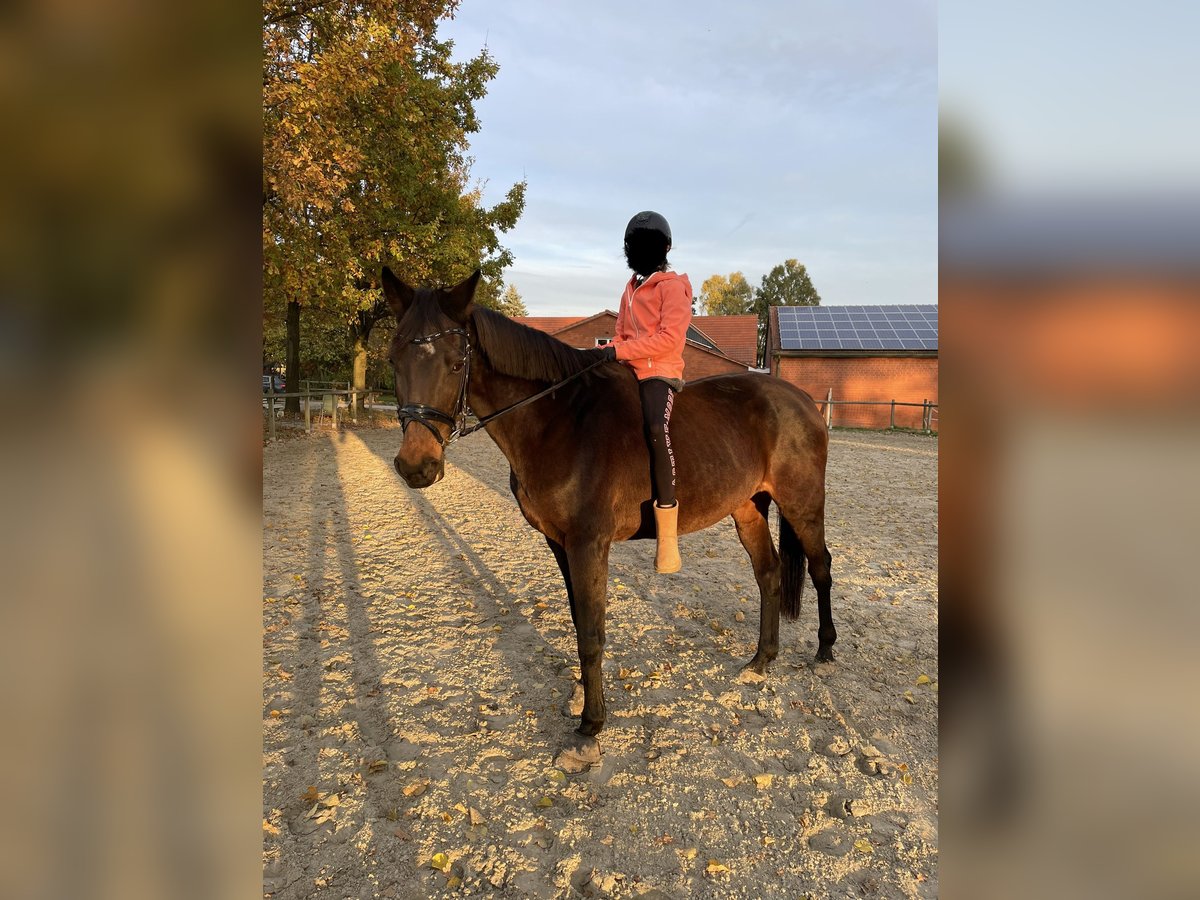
x,y
755,535
812,538
803,537
819,564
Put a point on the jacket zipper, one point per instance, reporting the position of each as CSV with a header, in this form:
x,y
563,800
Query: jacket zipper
x,y
637,332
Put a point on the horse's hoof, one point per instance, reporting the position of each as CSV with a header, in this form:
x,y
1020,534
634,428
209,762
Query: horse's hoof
x,y
574,705
825,654
578,754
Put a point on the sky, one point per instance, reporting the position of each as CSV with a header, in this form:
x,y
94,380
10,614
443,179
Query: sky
x,y
763,132
1076,96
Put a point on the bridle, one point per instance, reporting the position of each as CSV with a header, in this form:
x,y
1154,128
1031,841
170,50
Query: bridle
x,y
457,419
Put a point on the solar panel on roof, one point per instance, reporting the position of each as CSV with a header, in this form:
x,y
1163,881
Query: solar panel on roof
x,y
871,327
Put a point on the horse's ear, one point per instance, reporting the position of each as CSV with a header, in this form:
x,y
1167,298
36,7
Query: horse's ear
x,y
399,295
457,302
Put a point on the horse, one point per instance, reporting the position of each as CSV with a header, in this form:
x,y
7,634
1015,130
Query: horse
x,y
570,427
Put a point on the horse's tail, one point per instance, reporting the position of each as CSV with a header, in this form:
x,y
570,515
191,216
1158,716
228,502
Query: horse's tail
x,y
791,555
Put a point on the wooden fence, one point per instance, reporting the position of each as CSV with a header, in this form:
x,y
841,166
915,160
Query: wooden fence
x,y
873,417
325,393
871,414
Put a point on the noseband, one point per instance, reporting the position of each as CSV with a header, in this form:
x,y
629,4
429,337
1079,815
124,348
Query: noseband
x,y
457,420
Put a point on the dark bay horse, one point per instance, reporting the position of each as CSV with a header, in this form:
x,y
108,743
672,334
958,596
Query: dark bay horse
x,y
580,467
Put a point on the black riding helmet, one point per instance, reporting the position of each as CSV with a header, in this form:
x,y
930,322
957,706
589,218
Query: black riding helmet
x,y
647,242
649,221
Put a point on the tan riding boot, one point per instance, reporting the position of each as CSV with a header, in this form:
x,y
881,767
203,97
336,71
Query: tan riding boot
x,y
666,521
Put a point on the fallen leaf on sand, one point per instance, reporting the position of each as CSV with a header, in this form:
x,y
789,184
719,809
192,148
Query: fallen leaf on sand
x,y
269,828
544,802
862,845
923,679
310,795
762,782
908,695
462,809
377,765
715,867
732,781
688,852
417,788
557,777
453,882
332,800
440,861
476,818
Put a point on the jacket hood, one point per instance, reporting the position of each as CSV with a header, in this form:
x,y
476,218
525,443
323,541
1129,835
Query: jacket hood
x,y
667,276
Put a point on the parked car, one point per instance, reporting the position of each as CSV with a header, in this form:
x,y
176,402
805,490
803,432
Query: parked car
x,y
280,384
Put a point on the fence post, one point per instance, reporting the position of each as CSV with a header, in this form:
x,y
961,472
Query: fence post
x,y
892,424
353,396
829,411
925,415
307,415
335,406
271,408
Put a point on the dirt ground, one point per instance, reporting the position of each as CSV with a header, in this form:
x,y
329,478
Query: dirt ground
x,y
418,651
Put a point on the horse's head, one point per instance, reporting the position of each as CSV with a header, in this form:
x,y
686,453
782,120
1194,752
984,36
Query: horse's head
x,y
430,355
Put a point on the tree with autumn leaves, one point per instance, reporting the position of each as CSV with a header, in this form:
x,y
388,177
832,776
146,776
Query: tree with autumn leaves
x,y
788,284
366,125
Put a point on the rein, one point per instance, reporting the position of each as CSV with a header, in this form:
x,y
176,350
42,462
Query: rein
x,y
419,412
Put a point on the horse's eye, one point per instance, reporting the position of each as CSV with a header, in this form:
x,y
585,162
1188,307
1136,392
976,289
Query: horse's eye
x,y
457,367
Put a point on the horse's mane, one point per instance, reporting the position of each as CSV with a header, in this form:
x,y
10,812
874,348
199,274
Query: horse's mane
x,y
523,352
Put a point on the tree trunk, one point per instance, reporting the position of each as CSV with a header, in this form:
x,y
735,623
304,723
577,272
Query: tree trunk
x,y
359,382
292,370
360,335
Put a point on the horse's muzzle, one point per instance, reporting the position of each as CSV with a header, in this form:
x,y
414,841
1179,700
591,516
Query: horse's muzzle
x,y
423,474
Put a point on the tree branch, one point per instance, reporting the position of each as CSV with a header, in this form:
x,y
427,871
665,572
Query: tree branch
x,y
295,12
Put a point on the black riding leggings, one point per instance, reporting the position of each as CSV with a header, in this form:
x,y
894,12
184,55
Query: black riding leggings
x,y
657,399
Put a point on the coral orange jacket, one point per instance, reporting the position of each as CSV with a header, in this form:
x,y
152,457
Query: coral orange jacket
x,y
652,325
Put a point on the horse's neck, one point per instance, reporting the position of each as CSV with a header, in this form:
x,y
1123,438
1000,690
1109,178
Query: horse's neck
x,y
516,432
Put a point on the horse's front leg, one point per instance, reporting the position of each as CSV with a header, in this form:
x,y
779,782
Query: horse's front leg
x,y
587,560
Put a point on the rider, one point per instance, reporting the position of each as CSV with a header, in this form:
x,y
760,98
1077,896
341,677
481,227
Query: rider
x,y
656,309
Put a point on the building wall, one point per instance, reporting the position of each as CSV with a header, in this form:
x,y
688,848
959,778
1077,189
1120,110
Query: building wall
x,y
901,378
697,363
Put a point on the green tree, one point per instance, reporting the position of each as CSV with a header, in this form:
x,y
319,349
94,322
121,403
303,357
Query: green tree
x,y
511,303
489,295
787,284
729,295
366,123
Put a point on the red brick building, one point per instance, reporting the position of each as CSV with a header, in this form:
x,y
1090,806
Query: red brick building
x,y
737,336
879,353
702,356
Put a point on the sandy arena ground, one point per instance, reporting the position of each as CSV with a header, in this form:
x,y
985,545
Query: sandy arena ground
x,y
418,651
